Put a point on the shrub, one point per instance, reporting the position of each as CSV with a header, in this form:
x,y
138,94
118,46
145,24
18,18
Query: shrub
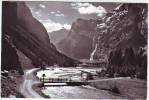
x,y
115,89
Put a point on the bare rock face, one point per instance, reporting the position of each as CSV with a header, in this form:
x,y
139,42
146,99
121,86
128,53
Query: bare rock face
x,y
30,24
78,43
27,38
125,26
57,36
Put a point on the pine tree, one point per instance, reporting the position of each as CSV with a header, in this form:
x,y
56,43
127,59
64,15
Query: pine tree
x,y
119,57
110,58
129,57
141,61
114,59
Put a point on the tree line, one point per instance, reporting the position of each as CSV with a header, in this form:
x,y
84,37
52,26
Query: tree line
x,y
127,63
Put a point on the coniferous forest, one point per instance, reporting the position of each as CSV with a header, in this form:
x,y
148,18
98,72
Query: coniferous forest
x,y
129,63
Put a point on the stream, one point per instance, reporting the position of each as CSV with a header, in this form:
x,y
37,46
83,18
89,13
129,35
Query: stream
x,y
73,92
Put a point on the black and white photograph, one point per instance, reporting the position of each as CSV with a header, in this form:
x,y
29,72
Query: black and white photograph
x,y
74,50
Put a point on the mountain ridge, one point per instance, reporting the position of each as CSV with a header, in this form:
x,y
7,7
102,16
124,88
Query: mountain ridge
x,y
125,26
27,36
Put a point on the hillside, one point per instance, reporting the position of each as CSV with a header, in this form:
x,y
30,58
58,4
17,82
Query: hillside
x,y
57,36
125,26
78,43
25,41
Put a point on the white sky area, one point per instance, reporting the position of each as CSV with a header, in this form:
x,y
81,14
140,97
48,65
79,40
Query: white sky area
x,y
42,6
58,15
54,26
87,8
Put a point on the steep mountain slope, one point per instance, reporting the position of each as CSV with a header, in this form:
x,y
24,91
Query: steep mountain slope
x,y
78,43
57,36
125,26
27,39
9,56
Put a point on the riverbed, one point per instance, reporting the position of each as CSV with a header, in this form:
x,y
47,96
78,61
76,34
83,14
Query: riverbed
x,y
73,92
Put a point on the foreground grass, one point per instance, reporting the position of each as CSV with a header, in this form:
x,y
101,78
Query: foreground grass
x,y
130,88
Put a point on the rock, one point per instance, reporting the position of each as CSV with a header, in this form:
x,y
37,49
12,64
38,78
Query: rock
x,y
125,26
57,36
26,39
78,43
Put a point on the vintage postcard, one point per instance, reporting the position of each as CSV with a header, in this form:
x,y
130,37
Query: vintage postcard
x,y
74,49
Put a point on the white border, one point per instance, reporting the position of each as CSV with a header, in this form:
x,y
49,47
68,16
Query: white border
x,y
123,1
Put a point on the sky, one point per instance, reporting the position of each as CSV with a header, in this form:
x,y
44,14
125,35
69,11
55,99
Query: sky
x,y
57,15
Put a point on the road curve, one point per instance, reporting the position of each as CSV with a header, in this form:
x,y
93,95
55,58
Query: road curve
x,y
26,86
29,80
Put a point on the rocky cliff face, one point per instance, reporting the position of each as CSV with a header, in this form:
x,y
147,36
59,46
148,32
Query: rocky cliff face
x,y
57,36
78,43
26,40
125,26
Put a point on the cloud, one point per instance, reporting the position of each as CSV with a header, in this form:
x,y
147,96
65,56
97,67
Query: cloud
x,y
80,4
88,8
54,26
58,11
57,14
52,12
42,6
38,13
67,26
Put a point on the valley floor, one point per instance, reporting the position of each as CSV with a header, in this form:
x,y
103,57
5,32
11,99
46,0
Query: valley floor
x,y
28,86
130,88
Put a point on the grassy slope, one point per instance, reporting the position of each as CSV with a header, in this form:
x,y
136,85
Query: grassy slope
x,y
131,88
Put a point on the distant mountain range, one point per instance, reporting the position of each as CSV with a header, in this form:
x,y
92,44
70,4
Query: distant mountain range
x,y
25,41
78,43
125,26
57,36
